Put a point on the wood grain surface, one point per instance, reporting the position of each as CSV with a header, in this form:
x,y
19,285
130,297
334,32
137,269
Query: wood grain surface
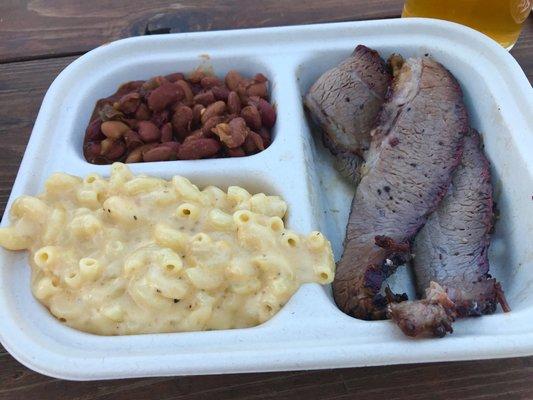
x,y
37,28
39,38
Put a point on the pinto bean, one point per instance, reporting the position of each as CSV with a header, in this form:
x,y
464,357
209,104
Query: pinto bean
x,y
114,129
149,132
199,148
159,153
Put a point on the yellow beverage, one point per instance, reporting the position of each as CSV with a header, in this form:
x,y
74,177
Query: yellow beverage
x,y
500,19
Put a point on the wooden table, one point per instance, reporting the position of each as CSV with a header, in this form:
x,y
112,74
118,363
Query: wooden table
x,y
39,38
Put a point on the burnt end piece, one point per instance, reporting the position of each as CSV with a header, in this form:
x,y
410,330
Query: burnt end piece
x,y
344,103
414,150
452,248
431,316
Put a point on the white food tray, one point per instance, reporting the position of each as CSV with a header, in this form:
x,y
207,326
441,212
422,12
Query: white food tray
x,y
309,332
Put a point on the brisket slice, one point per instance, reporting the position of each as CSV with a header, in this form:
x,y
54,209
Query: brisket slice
x,y
344,103
415,148
450,252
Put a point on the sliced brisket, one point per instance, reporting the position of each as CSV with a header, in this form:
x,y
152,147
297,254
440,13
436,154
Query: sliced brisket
x,y
344,103
451,250
415,148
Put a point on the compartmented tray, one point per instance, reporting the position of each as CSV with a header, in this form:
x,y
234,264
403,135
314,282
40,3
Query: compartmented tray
x,y
309,332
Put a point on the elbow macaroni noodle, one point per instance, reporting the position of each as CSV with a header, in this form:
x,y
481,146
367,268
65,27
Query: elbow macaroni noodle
x,y
137,254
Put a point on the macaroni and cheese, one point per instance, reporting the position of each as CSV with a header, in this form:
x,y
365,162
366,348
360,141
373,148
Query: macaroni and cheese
x,y
137,254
